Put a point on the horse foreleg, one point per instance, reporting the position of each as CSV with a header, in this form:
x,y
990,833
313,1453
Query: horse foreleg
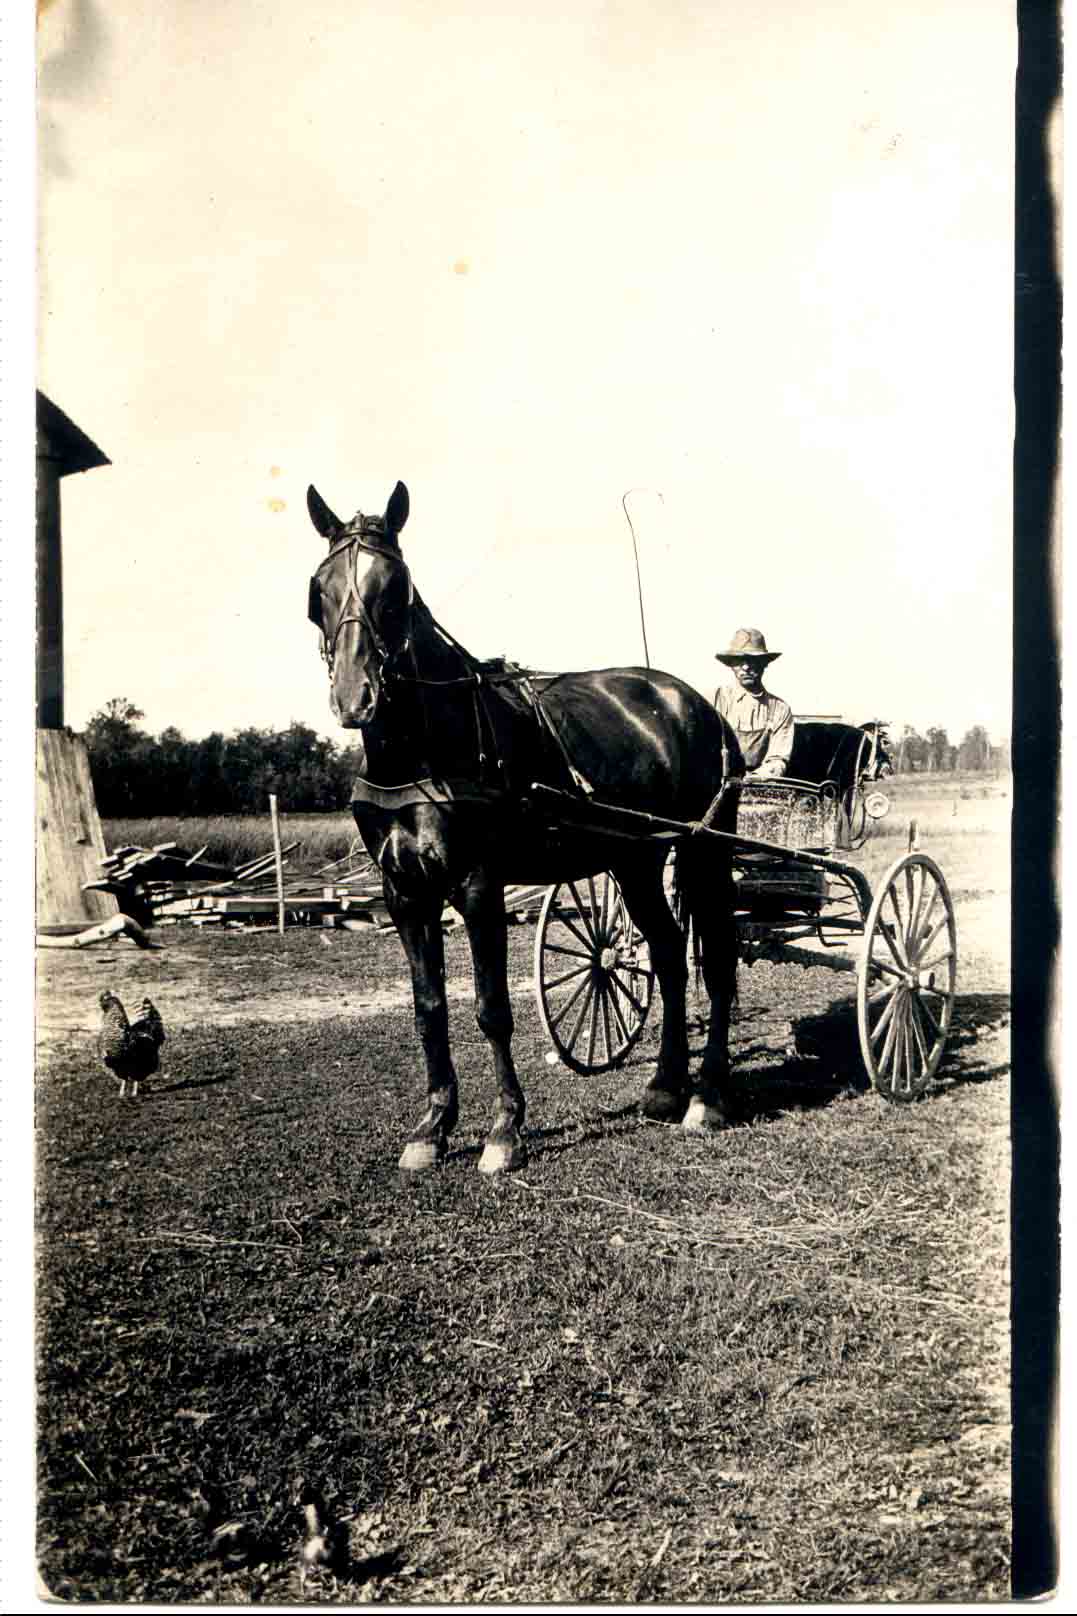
x,y
664,1097
481,901
419,926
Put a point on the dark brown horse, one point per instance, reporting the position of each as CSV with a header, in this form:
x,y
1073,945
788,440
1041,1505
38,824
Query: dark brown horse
x,y
445,807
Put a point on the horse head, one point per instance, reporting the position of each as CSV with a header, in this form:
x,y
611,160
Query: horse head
x,y
360,599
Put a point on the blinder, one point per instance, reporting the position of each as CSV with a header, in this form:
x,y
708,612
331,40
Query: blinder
x,y
314,604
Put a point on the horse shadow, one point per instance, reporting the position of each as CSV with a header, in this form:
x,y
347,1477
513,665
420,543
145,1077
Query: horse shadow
x,y
804,1063
812,1060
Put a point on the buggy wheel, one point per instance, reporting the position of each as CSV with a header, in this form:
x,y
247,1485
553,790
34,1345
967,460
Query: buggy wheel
x,y
593,976
906,982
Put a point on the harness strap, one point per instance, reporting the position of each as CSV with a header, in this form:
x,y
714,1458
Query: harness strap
x,y
545,722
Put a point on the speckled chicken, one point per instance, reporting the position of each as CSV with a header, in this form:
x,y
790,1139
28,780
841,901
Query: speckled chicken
x,y
129,1048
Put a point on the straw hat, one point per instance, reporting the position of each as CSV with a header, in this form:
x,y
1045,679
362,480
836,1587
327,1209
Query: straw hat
x,y
747,643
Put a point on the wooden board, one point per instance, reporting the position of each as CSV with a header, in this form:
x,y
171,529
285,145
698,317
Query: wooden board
x,y
70,845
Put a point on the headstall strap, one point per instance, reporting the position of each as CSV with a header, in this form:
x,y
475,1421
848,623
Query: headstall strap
x,y
358,535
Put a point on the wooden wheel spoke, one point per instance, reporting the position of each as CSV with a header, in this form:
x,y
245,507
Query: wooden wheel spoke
x,y
592,1030
910,898
925,1053
917,909
935,1035
884,969
572,953
910,1065
932,1023
606,885
896,936
886,931
586,939
929,937
877,995
630,968
887,1056
606,996
617,1013
578,1023
937,959
555,1021
923,919
887,1015
902,1060
567,976
615,980
597,911
585,914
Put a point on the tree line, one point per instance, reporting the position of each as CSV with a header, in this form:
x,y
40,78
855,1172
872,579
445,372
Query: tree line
x,y
138,775
913,753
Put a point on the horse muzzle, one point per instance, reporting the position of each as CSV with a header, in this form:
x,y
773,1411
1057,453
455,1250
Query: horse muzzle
x,y
356,707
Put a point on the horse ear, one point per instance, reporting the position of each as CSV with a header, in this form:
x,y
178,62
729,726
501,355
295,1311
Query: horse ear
x,y
327,524
396,512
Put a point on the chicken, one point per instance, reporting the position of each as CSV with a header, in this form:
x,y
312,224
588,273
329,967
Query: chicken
x,y
326,1540
129,1048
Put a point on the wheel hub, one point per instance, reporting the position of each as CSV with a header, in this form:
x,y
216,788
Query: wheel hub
x,y
609,958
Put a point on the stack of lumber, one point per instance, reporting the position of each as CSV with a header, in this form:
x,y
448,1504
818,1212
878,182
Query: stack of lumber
x,y
166,883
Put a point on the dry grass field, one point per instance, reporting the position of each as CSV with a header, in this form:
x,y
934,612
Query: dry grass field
x,y
767,1366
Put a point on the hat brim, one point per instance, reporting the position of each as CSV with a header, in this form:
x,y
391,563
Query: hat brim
x,y
732,657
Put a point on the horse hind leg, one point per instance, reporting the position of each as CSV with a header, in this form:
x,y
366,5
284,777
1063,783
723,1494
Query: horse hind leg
x,y
665,1095
709,887
481,901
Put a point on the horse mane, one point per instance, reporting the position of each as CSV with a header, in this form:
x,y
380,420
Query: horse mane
x,y
504,665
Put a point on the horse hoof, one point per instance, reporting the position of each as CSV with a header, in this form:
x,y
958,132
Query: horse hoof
x,y
702,1118
420,1155
499,1157
659,1105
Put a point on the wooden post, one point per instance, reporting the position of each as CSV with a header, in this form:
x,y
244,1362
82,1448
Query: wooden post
x,y
278,861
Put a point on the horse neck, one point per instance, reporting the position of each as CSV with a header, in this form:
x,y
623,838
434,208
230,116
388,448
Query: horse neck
x,y
429,727
434,656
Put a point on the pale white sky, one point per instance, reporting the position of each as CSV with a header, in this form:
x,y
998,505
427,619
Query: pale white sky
x,y
755,258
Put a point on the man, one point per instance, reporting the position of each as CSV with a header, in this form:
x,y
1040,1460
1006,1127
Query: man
x,y
763,723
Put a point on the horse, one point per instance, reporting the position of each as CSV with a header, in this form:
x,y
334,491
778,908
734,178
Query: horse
x,y
447,805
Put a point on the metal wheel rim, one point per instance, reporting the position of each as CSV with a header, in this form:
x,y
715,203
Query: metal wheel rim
x,y
907,979
593,977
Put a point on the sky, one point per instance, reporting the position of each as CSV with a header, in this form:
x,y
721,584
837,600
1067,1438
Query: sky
x,y
752,262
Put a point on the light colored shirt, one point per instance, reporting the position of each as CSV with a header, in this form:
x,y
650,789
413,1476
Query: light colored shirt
x,y
764,726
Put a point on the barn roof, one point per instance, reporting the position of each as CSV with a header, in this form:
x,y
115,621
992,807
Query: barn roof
x,y
58,438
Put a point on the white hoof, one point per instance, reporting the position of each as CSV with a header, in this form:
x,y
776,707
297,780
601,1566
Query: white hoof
x,y
419,1156
500,1158
700,1118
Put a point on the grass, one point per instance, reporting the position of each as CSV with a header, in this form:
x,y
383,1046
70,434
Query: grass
x,y
767,1366
235,839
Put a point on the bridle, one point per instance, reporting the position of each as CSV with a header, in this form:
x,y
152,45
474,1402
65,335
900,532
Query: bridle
x,y
362,534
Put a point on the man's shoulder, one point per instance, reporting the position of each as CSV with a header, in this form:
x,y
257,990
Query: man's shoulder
x,y
779,710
